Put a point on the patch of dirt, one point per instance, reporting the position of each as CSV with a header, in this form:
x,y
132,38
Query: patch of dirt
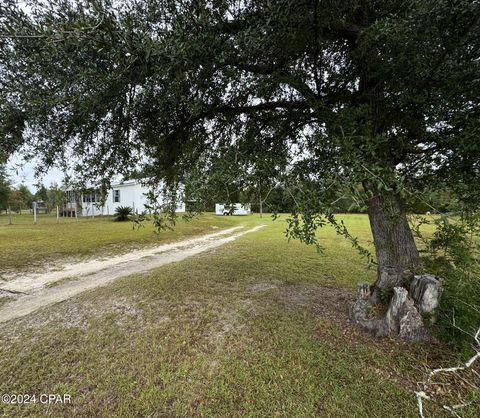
x,y
71,317
230,321
124,308
92,274
328,302
264,286
77,315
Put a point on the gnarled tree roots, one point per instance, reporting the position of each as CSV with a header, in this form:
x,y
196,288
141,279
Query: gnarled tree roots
x,y
405,313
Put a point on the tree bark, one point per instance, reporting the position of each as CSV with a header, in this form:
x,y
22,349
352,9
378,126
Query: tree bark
x,y
395,246
405,295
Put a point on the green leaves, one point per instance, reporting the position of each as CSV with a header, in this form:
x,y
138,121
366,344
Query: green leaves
x,y
453,253
336,101
123,213
4,188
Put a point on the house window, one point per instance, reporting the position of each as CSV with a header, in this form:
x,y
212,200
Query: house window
x,y
89,198
70,196
116,196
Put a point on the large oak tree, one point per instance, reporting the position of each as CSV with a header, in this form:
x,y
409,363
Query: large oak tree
x,y
375,99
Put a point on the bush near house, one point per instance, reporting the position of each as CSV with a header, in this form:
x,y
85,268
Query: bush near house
x,y
123,213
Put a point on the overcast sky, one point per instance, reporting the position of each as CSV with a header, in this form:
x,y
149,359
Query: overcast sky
x,y
25,174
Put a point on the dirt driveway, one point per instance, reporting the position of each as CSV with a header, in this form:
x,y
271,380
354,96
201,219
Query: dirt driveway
x,y
29,293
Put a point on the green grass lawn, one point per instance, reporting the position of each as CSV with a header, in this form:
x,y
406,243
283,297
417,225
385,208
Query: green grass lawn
x,y
255,328
24,245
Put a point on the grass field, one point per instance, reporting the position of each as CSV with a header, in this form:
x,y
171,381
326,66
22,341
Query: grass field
x,y
24,245
255,328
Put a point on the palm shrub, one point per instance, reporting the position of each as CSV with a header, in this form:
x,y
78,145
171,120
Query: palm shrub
x,y
123,213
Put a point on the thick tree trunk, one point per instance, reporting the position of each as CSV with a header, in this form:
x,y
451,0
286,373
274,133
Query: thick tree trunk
x,y
394,245
406,294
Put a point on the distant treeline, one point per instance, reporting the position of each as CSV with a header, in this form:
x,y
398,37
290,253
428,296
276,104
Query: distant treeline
x,y
280,200
21,198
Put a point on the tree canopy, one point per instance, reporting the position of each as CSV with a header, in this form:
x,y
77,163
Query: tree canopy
x,y
4,188
351,91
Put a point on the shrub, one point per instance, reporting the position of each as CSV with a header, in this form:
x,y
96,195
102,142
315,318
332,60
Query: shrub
x,y
453,255
123,213
460,310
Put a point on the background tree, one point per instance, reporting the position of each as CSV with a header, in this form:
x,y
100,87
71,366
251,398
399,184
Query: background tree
x,y
16,201
375,100
55,196
41,194
26,197
4,188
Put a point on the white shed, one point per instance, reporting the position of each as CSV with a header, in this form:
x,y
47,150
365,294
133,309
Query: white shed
x,y
232,209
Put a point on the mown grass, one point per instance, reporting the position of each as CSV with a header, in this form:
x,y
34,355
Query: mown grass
x,y
246,330
24,245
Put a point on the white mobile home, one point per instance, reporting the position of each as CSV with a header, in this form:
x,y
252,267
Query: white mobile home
x,y
233,209
127,193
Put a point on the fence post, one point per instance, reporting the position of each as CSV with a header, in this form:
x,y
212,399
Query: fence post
x,y
34,212
58,215
9,216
